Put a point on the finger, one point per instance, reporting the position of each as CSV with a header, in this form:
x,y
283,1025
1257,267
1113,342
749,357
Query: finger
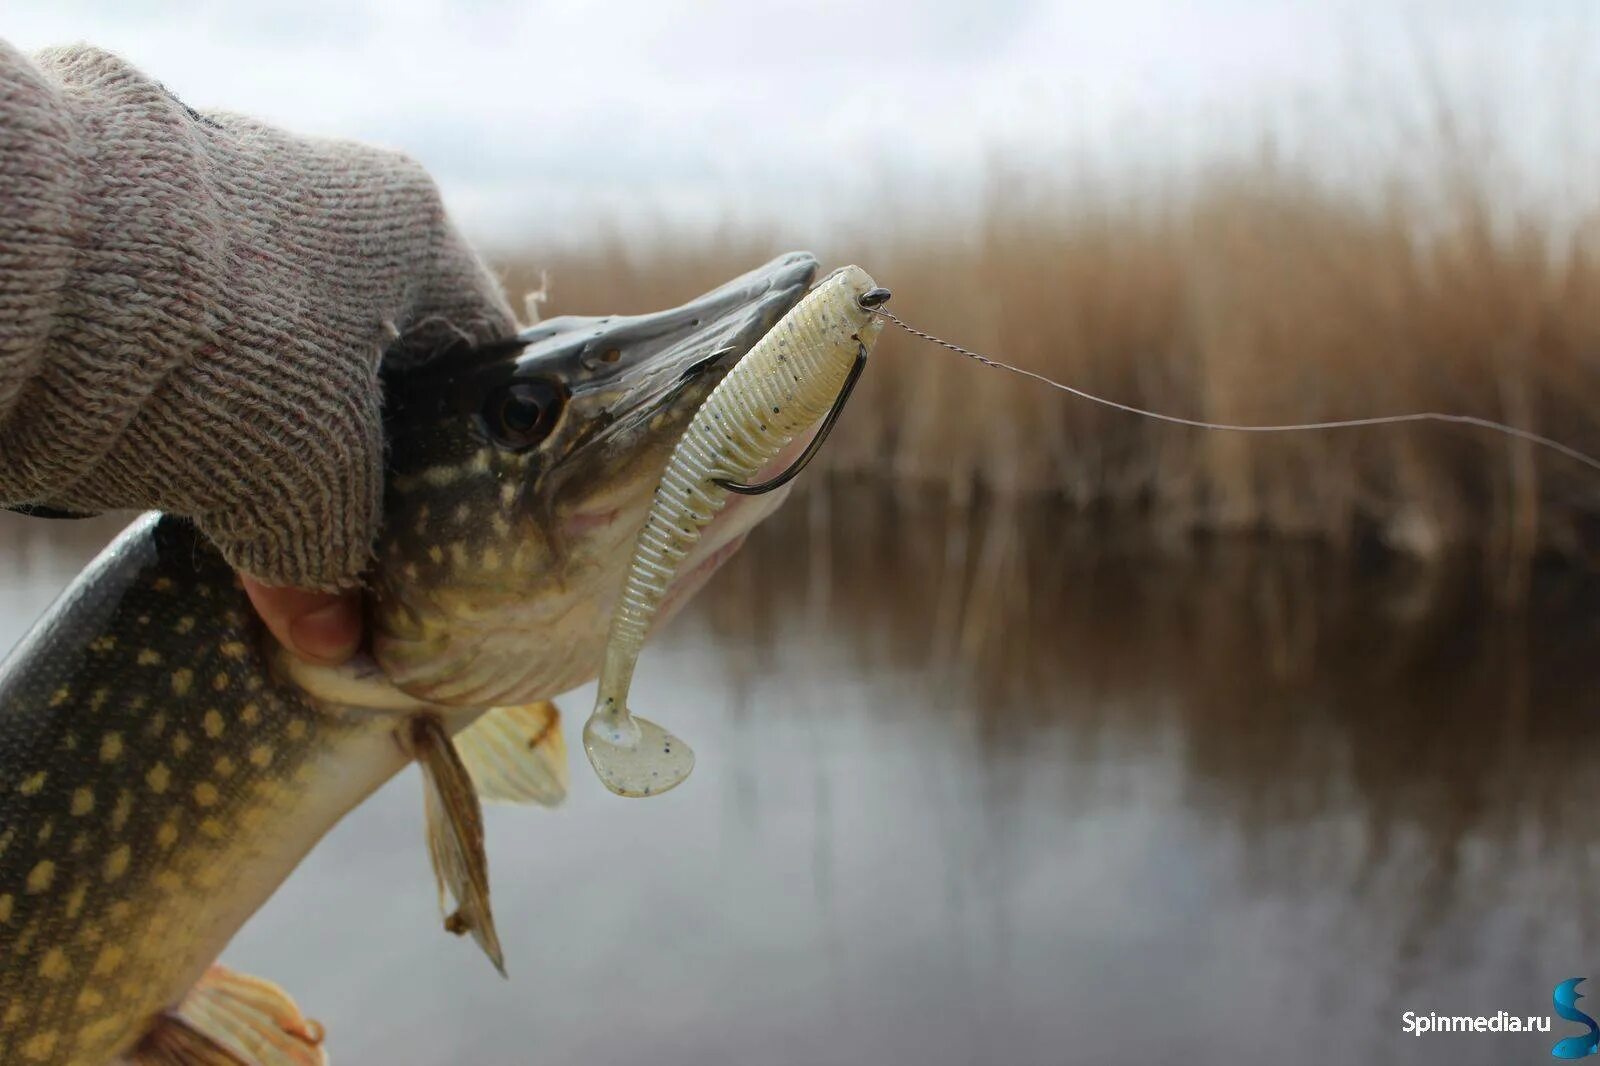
x,y
322,627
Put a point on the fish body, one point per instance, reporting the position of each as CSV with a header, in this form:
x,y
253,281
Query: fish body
x,y
157,782
164,764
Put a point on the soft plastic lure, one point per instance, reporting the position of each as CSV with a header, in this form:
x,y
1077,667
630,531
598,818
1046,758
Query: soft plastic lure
x,y
806,364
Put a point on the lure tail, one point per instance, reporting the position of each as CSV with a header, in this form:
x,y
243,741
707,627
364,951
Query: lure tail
x,y
634,756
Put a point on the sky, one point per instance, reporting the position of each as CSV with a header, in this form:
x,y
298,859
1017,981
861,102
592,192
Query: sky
x,y
542,121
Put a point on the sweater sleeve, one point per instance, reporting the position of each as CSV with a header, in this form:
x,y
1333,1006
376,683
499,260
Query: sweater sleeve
x,y
192,310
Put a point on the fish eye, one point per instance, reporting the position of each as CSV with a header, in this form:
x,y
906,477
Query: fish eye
x,y
522,413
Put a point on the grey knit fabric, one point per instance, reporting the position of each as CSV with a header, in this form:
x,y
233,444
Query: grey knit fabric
x,y
192,310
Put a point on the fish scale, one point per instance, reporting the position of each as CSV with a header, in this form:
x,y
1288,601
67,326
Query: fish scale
x,y
146,754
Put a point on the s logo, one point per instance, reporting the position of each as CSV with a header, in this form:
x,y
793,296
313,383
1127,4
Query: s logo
x,y
1565,999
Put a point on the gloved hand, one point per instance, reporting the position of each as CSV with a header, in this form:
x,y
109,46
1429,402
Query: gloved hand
x,y
192,310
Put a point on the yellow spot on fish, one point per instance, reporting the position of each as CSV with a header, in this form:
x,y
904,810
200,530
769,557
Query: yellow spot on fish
x,y
181,680
75,899
69,741
250,714
5,839
169,881
458,553
80,843
60,696
209,876
54,966
108,961
117,862
46,830
14,1014
463,514
212,828
39,1046
157,725
502,526
89,999
102,1028
98,700
233,649
82,800
185,624
103,644
124,807
158,777
296,729
167,835
40,876
162,584
32,783
220,682
252,683
508,493
212,723
120,910
148,657
436,553
6,905
223,766
143,619
260,755
181,743
111,747
205,794
411,572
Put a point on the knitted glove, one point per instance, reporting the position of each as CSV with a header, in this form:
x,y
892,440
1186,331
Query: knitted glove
x,y
192,310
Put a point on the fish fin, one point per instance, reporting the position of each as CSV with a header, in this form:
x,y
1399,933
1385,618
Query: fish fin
x,y
517,754
232,1019
455,836
634,756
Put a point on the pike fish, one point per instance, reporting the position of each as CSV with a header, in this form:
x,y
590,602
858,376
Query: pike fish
x,y
164,764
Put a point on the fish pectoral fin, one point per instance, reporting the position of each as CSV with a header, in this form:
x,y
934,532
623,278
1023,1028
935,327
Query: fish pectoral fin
x,y
455,836
232,1019
517,754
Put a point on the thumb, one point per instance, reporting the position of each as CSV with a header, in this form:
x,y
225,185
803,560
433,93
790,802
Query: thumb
x,y
320,627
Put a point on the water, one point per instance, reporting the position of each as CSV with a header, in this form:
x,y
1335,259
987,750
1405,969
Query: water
x,y
1002,789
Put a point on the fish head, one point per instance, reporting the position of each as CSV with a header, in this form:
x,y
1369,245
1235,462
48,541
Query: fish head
x,y
520,475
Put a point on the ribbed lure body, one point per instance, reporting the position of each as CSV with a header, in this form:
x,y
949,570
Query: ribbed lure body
x,y
773,395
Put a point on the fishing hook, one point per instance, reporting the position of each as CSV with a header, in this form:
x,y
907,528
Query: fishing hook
x,y
870,300
816,442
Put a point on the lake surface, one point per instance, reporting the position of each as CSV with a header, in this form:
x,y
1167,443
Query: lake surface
x,y
998,787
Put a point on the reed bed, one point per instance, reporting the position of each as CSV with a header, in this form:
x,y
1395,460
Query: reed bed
x,y
1256,292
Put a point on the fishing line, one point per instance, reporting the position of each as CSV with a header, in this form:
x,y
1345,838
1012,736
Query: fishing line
x,y
1342,423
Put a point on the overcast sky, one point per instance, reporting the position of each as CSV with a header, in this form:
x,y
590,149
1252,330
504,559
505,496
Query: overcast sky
x,y
540,118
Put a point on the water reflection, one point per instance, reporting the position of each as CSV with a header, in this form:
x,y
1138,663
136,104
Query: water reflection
x,y
989,785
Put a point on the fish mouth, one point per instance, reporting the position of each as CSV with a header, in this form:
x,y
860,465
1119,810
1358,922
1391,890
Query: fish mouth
x,y
630,377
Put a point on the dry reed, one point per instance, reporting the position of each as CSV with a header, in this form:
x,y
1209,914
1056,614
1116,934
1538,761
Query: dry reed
x,y
1255,294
